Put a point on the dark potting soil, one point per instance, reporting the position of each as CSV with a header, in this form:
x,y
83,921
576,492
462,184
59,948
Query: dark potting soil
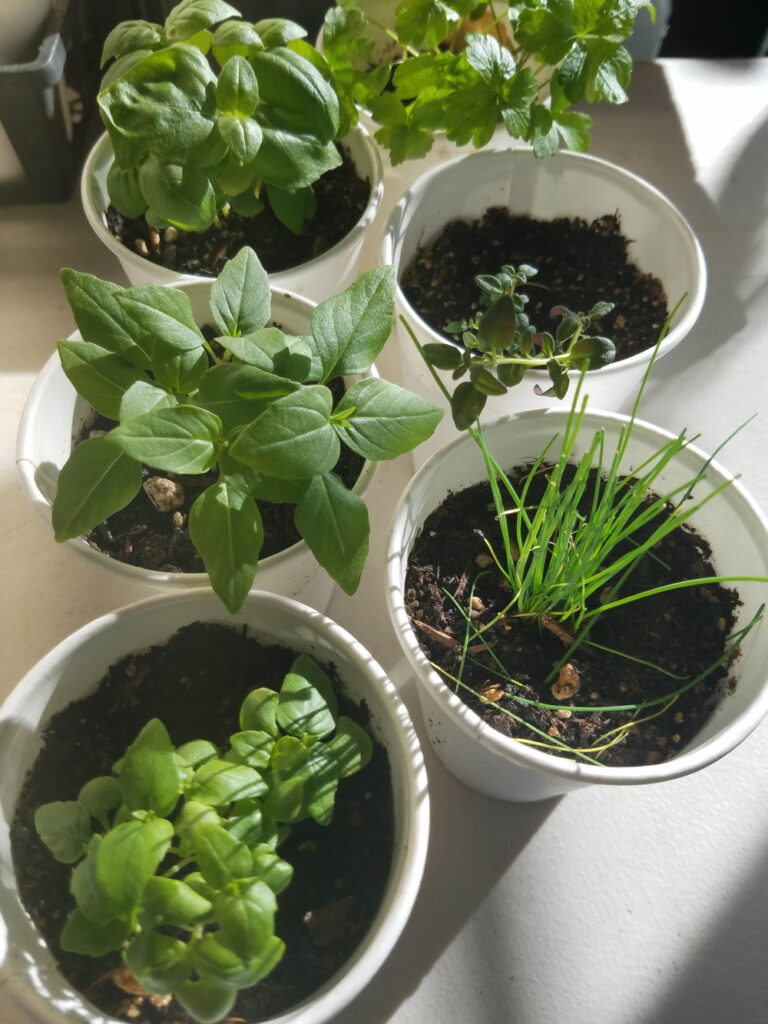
x,y
341,196
578,263
158,539
195,684
682,632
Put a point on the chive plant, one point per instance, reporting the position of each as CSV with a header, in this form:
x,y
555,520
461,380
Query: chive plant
x,y
566,555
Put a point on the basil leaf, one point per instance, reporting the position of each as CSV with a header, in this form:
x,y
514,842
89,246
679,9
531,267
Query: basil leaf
x,y
350,329
293,438
99,478
183,439
225,527
334,523
386,420
97,375
149,773
240,298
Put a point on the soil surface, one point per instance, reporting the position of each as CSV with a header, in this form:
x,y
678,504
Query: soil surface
x,y
682,632
158,538
341,195
195,685
578,263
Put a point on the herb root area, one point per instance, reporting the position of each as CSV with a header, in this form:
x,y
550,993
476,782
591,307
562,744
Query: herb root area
x,y
341,196
517,677
195,684
578,263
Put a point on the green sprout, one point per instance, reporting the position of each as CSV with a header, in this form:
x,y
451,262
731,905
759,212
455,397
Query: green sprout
x,y
175,855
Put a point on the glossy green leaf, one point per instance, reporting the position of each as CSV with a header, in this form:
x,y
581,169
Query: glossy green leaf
x,y
237,91
321,776
149,774
98,375
206,1001
131,35
291,159
235,39
165,104
259,711
183,439
240,296
302,708
351,745
126,859
334,523
158,962
274,871
292,438
220,856
101,796
190,16
93,938
246,917
197,752
350,329
172,901
65,828
293,208
386,420
226,528
296,90
99,478
219,783
180,193
102,320
253,747
125,192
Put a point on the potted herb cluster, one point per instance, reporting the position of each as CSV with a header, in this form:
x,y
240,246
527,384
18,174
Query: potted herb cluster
x,y
561,583
465,69
221,133
251,784
246,421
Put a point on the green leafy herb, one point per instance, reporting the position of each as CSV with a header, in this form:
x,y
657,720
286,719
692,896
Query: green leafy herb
x,y
209,110
500,345
564,568
465,68
254,405
186,837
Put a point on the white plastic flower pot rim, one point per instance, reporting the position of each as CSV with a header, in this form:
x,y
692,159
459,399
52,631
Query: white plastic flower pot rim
x,y
733,525
53,419
75,667
565,185
324,275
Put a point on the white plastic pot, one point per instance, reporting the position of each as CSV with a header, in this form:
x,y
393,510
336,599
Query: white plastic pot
x,y
73,670
52,421
498,765
318,278
565,185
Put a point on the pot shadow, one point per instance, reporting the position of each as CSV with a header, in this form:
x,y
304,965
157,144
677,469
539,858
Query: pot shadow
x,y
460,872
723,224
724,978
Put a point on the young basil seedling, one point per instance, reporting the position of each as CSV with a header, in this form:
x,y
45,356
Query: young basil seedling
x,y
254,405
175,854
465,68
209,110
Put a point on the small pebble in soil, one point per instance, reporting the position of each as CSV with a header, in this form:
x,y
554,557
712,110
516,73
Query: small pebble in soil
x,y
166,495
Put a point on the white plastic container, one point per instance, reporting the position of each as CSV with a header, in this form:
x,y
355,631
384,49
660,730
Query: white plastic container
x,y
498,765
565,185
318,278
52,421
73,670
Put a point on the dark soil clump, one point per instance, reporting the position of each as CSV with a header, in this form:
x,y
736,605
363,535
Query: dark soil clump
x,y
682,632
195,684
341,196
578,263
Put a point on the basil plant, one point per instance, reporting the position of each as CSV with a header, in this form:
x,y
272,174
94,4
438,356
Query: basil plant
x,y
208,110
254,405
466,67
175,854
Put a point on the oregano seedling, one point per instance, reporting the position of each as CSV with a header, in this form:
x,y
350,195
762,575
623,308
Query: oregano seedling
x,y
253,405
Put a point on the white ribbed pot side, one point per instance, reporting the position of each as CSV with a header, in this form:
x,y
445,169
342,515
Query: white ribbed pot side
x,y
75,667
52,421
499,766
318,278
566,185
